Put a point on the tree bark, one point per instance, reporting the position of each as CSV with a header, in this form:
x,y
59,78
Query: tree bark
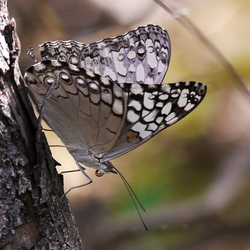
x,y
34,214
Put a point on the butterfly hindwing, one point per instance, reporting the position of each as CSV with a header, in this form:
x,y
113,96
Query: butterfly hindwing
x,y
85,112
139,56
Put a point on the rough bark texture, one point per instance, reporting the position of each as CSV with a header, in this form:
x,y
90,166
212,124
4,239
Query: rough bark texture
x,y
33,214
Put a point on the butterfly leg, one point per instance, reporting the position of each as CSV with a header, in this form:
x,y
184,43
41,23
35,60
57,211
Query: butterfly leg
x,y
70,171
46,97
41,112
82,169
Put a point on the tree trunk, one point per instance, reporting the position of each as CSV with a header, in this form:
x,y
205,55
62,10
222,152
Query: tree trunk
x,y
33,211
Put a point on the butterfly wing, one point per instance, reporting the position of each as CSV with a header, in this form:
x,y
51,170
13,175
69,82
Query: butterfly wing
x,y
152,108
84,112
139,56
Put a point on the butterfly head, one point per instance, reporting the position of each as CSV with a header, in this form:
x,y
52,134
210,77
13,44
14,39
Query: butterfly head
x,y
91,161
106,168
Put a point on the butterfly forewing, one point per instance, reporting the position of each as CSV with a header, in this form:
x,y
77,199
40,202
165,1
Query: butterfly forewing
x,y
152,108
139,56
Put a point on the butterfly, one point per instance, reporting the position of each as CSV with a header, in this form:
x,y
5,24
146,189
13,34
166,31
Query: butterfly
x,y
108,97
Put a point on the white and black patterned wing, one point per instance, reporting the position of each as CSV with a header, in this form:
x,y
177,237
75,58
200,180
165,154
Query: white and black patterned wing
x,y
152,108
139,56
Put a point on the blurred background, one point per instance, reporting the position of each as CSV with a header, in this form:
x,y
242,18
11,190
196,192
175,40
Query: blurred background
x,y
192,178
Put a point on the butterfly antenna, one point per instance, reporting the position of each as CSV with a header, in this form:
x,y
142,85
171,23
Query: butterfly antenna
x,y
130,189
133,197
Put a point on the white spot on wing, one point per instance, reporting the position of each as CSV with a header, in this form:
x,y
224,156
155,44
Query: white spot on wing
x,y
117,91
145,112
136,89
152,126
140,73
131,68
166,88
189,106
170,116
119,64
167,108
110,73
117,107
135,104
161,67
159,119
159,104
163,97
175,93
151,57
183,98
131,54
139,127
132,116
151,116
149,80
147,102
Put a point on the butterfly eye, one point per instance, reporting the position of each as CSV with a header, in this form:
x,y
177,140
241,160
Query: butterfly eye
x,y
98,173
